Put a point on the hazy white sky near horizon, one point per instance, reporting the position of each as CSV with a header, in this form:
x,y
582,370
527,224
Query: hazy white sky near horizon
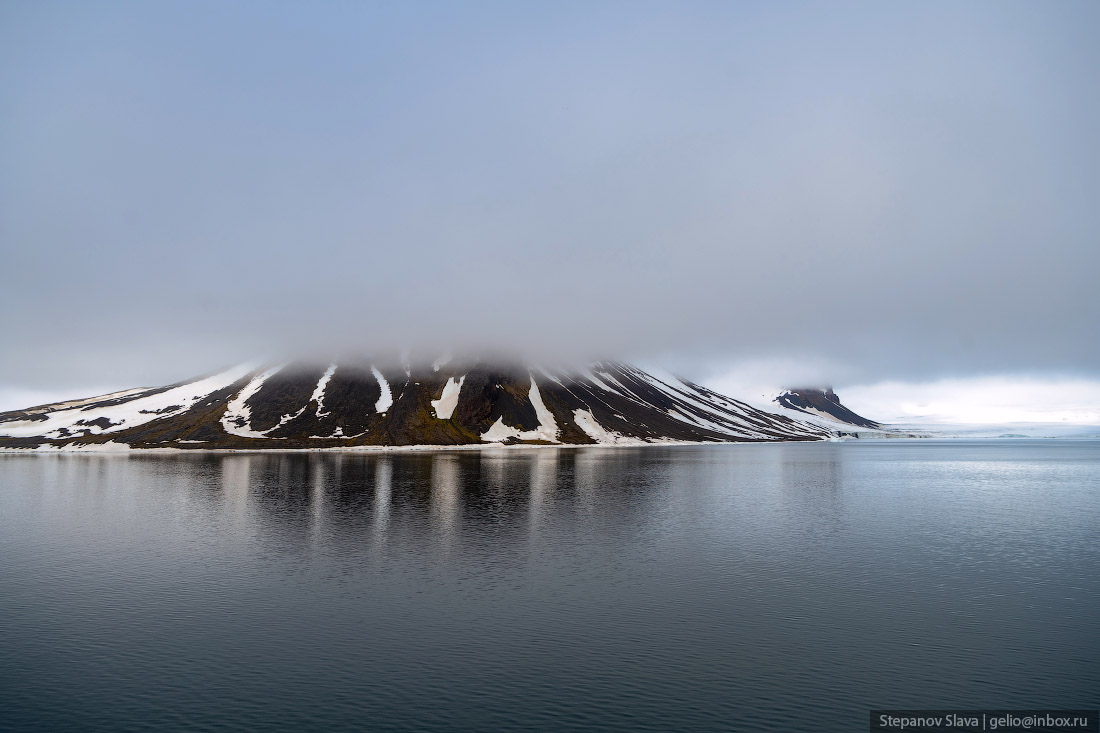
x,y
856,193
993,399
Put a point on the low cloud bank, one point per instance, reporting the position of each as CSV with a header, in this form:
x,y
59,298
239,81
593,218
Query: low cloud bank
x,y
1000,399
996,399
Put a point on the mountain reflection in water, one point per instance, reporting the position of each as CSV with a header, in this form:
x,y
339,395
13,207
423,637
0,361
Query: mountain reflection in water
x,y
751,587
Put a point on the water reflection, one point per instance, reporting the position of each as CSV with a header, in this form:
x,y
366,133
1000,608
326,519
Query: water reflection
x,y
453,504
543,479
705,588
443,499
446,497
383,474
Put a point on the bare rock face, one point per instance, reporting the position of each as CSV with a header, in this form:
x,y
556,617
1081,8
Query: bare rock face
x,y
369,402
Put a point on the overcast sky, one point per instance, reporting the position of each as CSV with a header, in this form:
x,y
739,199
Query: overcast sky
x,y
862,192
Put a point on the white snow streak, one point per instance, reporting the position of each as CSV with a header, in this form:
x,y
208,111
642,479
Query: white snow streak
x,y
546,373
318,395
680,392
597,381
611,378
548,427
386,400
237,410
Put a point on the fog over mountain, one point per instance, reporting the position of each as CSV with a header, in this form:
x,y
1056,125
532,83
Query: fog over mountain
x,y
866,191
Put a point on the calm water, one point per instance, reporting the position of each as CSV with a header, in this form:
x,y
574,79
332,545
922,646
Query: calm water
x,y
749,588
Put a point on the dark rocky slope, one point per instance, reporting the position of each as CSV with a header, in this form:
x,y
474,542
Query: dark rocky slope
x,y
823,403
375,403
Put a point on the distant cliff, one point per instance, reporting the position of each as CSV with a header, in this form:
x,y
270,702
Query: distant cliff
x,y
822,402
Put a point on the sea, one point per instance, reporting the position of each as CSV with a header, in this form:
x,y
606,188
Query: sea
x,y
757,587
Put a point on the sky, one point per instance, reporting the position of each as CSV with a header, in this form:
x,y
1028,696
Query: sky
x,y
860,194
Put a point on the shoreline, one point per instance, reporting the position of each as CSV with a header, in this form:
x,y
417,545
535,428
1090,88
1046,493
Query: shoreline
x,y
111,448
122,448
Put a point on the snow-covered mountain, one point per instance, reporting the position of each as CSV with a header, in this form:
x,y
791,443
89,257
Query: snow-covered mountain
x,y
822,403
448,402
819,406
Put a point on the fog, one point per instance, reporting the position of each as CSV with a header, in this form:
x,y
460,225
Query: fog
x,y
865,191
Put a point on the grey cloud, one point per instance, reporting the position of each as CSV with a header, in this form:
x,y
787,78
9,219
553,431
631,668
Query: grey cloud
x,y
905,192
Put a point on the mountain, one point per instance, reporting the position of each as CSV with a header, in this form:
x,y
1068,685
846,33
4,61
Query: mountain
x,y
378,403
822,402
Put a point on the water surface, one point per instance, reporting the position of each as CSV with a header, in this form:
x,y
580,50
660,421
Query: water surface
x,y
751,588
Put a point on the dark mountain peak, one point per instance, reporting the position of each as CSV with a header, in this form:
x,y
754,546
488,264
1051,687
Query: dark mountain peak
x,y
823,402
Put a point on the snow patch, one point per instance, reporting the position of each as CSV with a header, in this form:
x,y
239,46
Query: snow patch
x,y
62,423
587,422
237,417
448,401
109,447
338,434
88,400
499,432
547,429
